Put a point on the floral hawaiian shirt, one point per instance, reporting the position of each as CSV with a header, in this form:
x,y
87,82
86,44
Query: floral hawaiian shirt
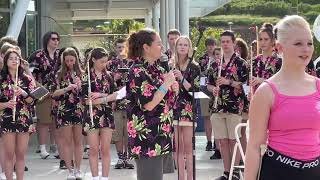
x,y
183,110
102,113
69,105
205,62
149,131
230,99
23,121
43,65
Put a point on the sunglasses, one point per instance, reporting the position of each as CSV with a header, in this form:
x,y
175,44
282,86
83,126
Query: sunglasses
x,y
55,39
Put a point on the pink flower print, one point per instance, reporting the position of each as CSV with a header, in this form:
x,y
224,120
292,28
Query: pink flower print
x,y
166,109
136,150
132,84
151,153
71,99
130,125
136,70
132,133
32,129
39,54
234,69
101,121
188,108
23,120
166,128
147,90
59,121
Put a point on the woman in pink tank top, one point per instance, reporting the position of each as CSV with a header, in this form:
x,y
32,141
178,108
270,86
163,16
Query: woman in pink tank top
x,y
285,112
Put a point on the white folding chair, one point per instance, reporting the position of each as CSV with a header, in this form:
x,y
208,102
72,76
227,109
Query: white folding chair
x,y
237,147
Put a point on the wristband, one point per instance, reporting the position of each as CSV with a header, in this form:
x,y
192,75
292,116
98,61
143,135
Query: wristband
x,y
163,90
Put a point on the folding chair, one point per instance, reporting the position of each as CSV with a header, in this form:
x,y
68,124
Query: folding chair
x,y
235,149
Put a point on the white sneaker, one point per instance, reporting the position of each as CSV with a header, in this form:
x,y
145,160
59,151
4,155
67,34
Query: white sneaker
x,y
44,154
3,176
71,176
78,175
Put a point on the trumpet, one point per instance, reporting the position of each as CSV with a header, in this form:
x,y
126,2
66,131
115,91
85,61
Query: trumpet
x,y
14,93
89,92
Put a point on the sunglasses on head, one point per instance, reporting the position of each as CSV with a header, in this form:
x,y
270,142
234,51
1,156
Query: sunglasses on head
x,y
55,39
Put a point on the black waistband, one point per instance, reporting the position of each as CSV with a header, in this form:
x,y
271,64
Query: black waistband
x,y
288,161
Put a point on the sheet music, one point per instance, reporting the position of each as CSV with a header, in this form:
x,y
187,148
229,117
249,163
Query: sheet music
x,y
203,81
246,89
122,93
199,95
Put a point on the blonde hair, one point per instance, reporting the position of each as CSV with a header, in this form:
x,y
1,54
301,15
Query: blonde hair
x,y
288,23
176,58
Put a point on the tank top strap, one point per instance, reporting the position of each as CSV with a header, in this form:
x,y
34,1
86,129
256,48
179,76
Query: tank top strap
x,y
318,84
273,87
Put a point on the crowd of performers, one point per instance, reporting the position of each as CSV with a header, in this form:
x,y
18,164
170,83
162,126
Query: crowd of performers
x,y
154,123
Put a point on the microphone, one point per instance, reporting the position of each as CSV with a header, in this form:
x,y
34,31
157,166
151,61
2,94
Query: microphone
x,y
164,62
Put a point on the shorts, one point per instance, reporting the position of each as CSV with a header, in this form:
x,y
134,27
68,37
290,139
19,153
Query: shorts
x,y
43,111
277,166
224,124
121,131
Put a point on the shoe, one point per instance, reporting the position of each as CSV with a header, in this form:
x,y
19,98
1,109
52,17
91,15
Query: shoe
x,y
86,153
225,176
120,164
57,156
63,164
3,176
235,175
71,176
53,149
38,150
26,168
128,164
44,155
77,174
216,155
209,146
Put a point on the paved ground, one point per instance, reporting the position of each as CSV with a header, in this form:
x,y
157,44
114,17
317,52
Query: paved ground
x,y
48,169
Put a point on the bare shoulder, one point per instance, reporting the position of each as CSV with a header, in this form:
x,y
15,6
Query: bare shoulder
x,y
264,94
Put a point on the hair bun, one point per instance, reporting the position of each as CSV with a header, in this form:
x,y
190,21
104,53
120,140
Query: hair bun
x,y
267,26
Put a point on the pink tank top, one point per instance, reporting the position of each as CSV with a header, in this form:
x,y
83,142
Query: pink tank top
x,y
294,124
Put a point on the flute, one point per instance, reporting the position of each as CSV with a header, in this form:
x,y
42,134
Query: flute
x,y
14,94
251,70
219,75
257,38
89,92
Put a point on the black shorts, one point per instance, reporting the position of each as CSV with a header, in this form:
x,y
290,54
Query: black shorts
x,y
276,166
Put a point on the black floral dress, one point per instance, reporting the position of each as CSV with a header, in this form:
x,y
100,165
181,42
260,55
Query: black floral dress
x,y
69,106
23,121
102,113
183,111
231,100
150,132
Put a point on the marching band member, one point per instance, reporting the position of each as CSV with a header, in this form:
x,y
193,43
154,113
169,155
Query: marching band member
x,y
100,124
228,89
65,89
15,99
188,74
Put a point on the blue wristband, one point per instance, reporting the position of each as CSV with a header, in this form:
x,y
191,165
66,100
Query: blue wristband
x,y
163,90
